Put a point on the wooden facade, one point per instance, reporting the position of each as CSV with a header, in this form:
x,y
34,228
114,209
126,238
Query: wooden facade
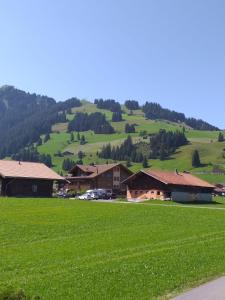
x,y
109,177
143,186
21,187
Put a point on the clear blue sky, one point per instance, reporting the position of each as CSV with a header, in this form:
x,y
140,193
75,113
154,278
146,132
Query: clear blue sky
x,y
168,51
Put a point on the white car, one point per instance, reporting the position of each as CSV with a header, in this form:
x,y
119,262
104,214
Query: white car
x,y
86,196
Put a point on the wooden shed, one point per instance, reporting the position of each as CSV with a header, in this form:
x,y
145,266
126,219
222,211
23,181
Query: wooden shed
x,y
26,179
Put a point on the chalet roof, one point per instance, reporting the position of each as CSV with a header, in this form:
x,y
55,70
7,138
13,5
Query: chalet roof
x,y
16,169
95,170
175,178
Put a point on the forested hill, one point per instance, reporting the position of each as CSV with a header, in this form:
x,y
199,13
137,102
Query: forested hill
x,y
24,117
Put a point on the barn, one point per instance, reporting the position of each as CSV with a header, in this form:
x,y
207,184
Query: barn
x,y
176,186
26,179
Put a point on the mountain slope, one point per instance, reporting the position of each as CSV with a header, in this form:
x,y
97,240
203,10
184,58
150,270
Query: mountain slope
x,y
27,117
211,151
24,117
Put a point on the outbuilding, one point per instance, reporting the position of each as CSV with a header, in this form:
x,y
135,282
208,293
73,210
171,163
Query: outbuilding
x,y
176,186
26,179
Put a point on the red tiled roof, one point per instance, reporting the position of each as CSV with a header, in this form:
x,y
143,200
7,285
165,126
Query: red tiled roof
x,y
16,169
174,178
178,178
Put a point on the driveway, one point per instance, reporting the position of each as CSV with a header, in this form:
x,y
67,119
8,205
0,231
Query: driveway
x,y
213,290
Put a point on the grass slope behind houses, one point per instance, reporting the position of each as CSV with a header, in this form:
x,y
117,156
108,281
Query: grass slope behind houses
x,y
204,141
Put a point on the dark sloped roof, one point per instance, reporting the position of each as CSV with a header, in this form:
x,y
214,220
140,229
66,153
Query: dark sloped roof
x,y
96,170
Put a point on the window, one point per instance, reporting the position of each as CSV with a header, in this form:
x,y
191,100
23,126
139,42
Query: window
x,y
158,192
34,188
152,192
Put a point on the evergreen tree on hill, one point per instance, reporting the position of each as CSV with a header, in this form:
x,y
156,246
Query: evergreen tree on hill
x,y
116,117
71,137
47,137
131,104
220,137
196,159
145,162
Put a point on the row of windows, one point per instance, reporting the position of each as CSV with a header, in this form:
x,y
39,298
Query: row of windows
x,y
152,192
116,169
116,178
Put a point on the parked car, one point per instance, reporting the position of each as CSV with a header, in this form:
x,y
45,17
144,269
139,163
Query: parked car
x,y
85,196
97,194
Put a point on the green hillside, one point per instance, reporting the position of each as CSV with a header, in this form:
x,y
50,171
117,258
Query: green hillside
x,y
211,151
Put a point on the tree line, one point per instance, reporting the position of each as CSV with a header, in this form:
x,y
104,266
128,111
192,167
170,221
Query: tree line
x,y
32,155
24,117
155,111
161,146
94,121
109,104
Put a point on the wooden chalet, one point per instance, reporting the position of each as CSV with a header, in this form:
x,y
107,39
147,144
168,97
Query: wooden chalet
x,y
180,187
26,179
105,176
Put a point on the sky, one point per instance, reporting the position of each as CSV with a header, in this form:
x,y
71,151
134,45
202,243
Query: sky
x,y
166,51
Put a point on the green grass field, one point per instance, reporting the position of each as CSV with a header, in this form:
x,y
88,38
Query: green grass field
x,y
65,249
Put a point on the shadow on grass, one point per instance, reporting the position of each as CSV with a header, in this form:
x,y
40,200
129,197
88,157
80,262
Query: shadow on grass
x,y
198,202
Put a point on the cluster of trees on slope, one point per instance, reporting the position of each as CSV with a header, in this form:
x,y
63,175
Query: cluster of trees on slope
x,y
24,117
94,121
117,116
68,164
109,104
155,111
129,128
126,151
31,154
164,143
132,104
161,146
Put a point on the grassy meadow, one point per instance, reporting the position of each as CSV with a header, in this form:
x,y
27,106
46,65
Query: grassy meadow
x,y
211,151
68,249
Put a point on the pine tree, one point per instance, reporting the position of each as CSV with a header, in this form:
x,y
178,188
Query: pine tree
x,y
80,155
162,153
71,137
47,137
39,142
220,137
82,140
145,162
196,159
116,116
